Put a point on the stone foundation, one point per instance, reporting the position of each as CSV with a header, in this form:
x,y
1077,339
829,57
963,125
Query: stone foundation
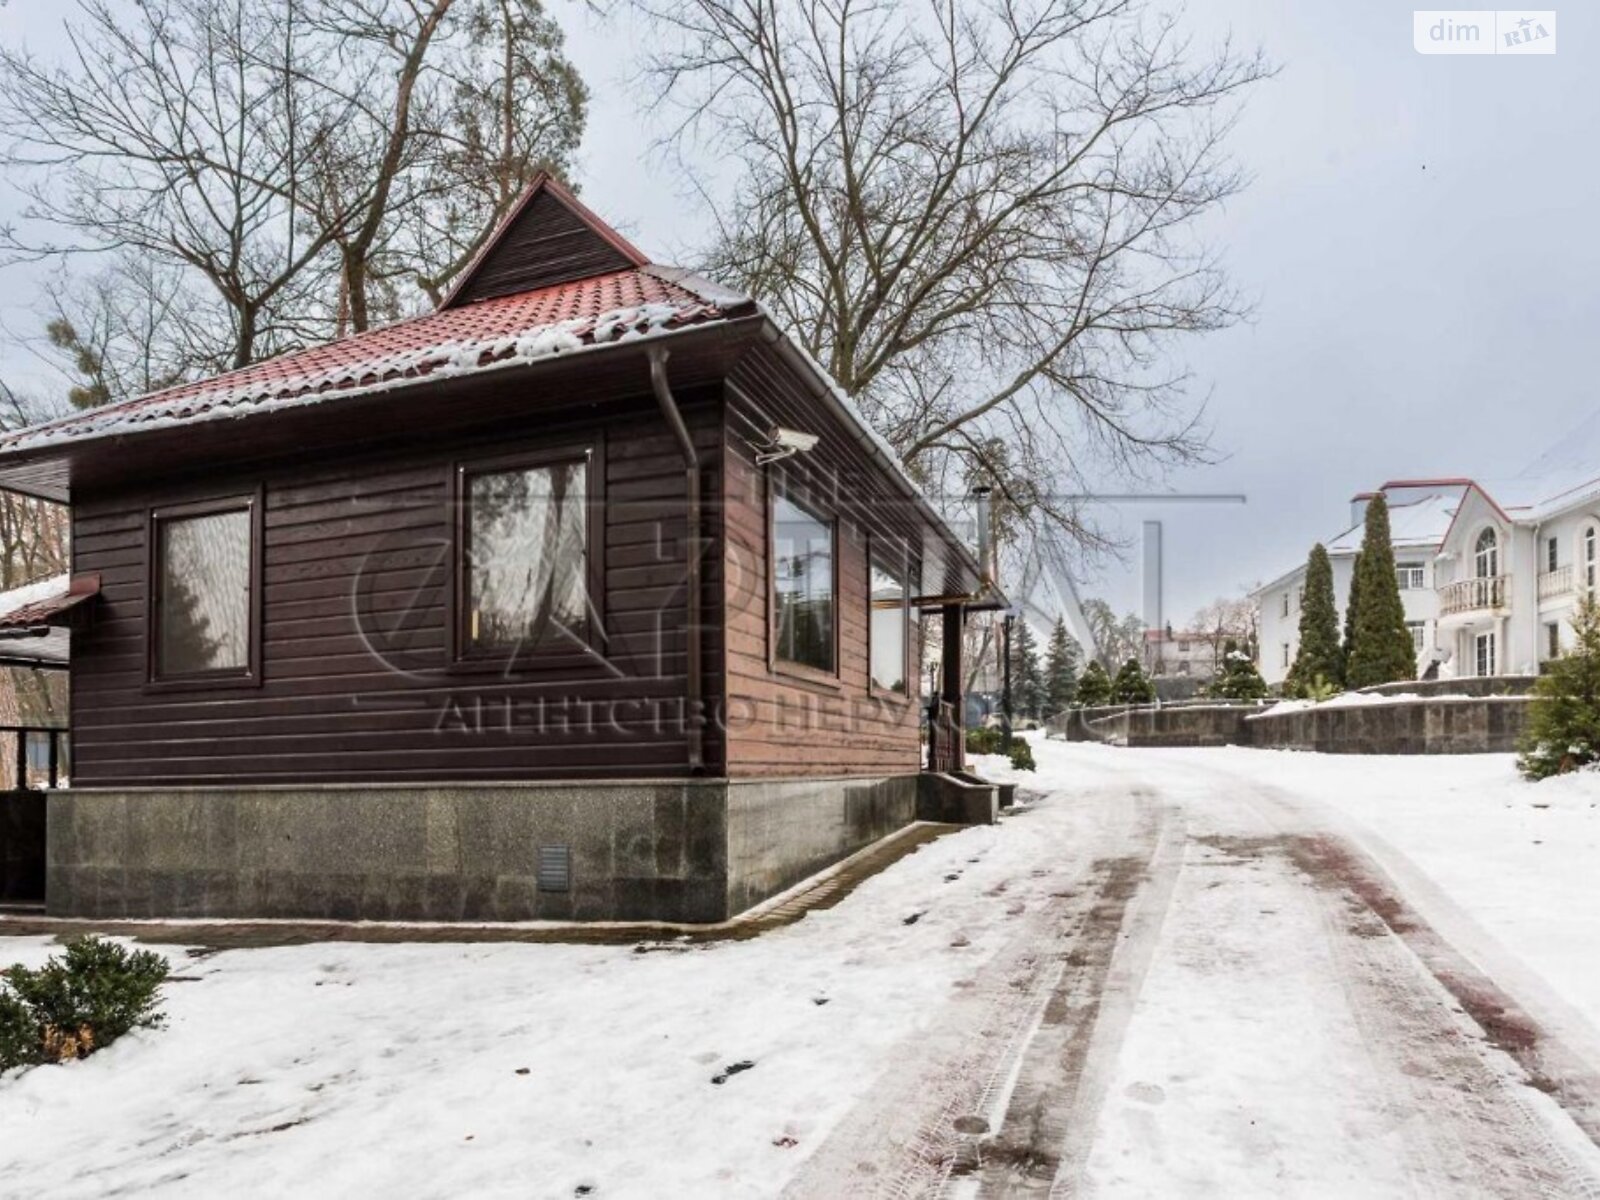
x,y
683,851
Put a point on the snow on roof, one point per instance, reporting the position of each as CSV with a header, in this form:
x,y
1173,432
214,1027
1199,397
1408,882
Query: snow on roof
x,y
623,306
17,604
1419,524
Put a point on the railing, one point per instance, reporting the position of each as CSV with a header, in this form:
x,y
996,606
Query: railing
x,y
1468,595
37,758
1555,583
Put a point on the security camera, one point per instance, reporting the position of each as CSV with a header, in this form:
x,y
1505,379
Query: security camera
x,y
793,440
781,443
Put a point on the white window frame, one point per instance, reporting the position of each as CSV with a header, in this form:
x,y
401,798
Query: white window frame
x,y
1552,639
1590,536
1483,654
1419,636
1486,553
1410,576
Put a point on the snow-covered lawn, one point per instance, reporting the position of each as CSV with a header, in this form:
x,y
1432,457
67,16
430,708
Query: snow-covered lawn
x,y
517,1070
1229,1057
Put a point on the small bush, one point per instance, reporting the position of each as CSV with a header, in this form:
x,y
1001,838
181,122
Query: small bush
x,y
984,741
1564,716
78,1003
1022,755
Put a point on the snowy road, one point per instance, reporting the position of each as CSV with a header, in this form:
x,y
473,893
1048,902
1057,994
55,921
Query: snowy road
x,y
1230,995
1182,973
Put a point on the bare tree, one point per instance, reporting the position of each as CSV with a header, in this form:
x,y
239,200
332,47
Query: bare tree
x,y
134,327
33,532
1224,620
307,165
450,107
1116,640
979,216
175,134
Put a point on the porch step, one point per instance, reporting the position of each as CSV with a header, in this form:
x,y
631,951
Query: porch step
x,y
956,799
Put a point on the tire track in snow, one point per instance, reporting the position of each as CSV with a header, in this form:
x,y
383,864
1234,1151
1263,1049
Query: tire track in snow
x,y
916,1128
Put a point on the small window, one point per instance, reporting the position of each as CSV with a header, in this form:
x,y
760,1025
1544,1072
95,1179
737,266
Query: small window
x,y
1589,558
203,581
1409,576
1183,667
1419,631
802,584
891,618
1552,639
525,557
1552,553
1183,647
1286,604
1286,659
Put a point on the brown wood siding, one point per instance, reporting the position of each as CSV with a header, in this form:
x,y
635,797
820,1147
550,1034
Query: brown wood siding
x,y
357,680
546,244
779,724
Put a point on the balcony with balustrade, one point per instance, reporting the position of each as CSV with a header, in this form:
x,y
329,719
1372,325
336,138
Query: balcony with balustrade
x,y
1557,583
1484,593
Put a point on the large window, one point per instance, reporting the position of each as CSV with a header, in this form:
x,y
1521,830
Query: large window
x,y
526,551
802,585
1486,555
1409,576
891,616
203,579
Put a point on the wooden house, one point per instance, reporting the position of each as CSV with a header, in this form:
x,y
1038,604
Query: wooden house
x,y
588,595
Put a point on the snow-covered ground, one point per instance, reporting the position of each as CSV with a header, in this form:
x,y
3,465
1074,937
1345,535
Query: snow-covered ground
x,y
1131,983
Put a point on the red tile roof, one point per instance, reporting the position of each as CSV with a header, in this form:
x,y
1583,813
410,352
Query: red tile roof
x,y
40,603
563,318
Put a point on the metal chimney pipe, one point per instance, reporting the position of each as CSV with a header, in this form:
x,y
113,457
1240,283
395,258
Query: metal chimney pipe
x,y
980,495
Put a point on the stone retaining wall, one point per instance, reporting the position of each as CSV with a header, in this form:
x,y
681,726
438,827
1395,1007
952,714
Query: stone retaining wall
x,y
1481,725
1445,725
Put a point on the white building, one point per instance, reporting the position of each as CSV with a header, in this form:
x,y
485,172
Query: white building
x,y
1182,653
1421,513
1511,569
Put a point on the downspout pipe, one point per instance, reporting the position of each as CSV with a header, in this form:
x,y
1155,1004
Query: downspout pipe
x,y
694,684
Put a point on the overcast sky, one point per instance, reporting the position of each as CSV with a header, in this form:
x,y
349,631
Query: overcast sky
x,y
1419,239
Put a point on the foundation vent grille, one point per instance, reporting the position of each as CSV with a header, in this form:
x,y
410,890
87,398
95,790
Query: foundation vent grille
x,y
555,868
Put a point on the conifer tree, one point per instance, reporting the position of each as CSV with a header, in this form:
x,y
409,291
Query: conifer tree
x,y
1132,685
1381,650
1094,686
1240,680
1352,608
1564,716
1027,675
1061,659
1320,660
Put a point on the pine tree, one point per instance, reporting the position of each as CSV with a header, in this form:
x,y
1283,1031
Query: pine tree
x,y
1094,686
1027,676
1320,660
1239,679
1352,609
1061,659
1132,685
1564,716
1382,650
